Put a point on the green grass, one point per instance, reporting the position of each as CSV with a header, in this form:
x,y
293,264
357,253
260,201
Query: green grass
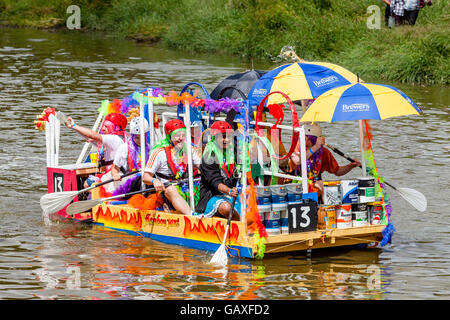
x,y
325,30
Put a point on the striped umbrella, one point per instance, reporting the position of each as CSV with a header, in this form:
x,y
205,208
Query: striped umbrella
x,y
300,80
360,101
366,101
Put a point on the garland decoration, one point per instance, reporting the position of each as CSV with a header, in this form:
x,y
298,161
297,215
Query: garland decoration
x,y
254,223
43,118
151,202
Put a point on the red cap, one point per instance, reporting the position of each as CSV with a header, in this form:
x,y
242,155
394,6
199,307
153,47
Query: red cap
x,y
117,119
173,125
220,127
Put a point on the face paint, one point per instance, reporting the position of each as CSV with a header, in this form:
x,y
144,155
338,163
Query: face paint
x,y
178,139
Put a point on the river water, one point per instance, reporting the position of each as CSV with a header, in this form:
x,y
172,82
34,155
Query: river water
x,y
61,260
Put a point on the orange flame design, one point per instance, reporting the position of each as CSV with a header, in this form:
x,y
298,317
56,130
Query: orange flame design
x,y
119,219
210,233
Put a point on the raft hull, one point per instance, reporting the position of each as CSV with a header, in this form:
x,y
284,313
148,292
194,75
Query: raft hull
x,y
207,233
172,228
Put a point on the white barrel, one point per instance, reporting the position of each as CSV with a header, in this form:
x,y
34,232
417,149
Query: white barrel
x,y
359,215
349,191
331,193
366,190
344,216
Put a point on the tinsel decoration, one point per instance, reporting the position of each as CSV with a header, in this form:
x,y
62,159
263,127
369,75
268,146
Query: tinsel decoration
x,y
380,191
254,223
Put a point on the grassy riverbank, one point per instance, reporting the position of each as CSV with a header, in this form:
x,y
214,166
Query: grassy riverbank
x,y
324,30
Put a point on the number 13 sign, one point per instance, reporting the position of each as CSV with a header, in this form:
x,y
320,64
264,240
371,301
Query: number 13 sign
x,y
302,216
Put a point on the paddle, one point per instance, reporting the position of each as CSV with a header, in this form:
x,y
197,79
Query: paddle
x,y
221,257
82,206
414,197
53,202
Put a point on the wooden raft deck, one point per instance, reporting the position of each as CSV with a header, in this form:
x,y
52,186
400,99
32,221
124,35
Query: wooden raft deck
x,y
323,239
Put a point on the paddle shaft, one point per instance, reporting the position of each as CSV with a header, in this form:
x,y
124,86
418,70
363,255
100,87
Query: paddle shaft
x,y
81,206
339,152
144,190
108,181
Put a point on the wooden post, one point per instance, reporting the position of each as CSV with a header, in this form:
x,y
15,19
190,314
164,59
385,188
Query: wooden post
x,y
142,137
361,141
303,159
187,122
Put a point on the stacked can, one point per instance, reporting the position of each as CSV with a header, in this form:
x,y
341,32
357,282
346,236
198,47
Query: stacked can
x,y
264,202
277,221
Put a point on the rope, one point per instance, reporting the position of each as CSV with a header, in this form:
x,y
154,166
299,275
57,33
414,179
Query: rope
x,y
288,245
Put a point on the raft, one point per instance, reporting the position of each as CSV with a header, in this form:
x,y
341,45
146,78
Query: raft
x,y
199,232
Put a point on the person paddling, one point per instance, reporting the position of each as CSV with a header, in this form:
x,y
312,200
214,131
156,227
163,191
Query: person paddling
x,y
168,162
318,159
219,174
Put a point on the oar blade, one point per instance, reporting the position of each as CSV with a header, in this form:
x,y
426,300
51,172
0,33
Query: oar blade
x,y
414,197
53,202
220,257
82,206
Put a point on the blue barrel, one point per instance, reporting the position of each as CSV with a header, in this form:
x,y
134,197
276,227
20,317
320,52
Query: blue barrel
x,y
279,197
294,192
263,198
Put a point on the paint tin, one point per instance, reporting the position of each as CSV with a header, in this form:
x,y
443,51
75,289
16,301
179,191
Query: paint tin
x,y
366,190
344,216
294,192
326,217
359,214
263,198
375,212
284,221
349,191
331,193
272,222
279,197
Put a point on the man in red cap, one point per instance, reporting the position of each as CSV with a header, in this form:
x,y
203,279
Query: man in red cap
x,y
218,174
110,138
168,163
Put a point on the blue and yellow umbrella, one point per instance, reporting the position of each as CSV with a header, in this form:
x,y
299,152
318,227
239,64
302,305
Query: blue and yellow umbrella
x,y
300,80
360,101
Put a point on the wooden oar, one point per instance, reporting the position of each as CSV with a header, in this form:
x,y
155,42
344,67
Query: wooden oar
x,y
53,202
82,206
221,257
414,197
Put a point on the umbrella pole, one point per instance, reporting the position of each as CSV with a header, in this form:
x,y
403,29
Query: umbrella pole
x,y
361,142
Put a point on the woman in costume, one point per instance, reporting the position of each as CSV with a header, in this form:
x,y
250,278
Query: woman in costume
x,y
218,174
168,162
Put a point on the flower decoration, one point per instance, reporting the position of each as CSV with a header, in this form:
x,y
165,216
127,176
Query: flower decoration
x,y
43,118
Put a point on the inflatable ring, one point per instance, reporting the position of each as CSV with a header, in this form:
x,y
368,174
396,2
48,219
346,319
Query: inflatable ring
x,y
295,123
